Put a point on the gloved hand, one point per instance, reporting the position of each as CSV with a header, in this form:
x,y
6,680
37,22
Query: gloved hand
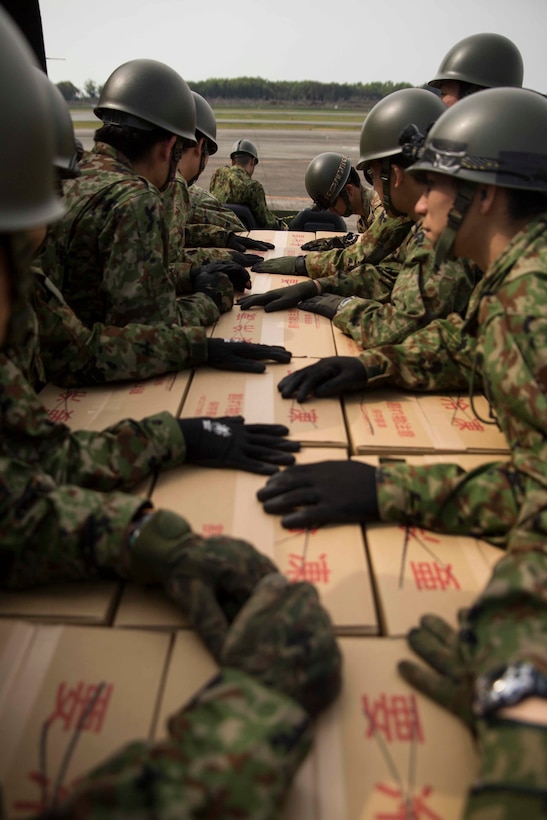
x,y
331,376
284,638
283,264
216,286
327,492
228,442
280,298
244,243
246,260
209,578
224,354
237,274
331,243
435,642
325,304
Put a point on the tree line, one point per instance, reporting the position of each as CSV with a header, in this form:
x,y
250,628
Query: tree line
x,y
257,90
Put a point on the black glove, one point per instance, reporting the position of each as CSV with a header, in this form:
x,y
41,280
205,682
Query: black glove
x,y
331,376
228,442
338,492
246,260
216,286
283,264
325,304
243,243
331,243
224,354
237,274
280,298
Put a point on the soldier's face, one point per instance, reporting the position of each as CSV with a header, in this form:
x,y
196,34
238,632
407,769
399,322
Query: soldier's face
x,y
435,204
450,92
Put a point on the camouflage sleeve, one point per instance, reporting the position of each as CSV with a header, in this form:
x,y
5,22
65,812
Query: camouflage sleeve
x,y
73,354
203,235
114,459
381,240
205,209
509,620
257,203
421,294
439,356
232,753
51,532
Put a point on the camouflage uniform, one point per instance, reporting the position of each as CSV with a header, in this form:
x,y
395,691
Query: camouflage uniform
x,y
392,308
233,184
193,772
108,254
205,209
503,340
380,240
184,253
70,354
371,208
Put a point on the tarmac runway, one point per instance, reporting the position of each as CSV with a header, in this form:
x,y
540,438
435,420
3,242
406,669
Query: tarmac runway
x,y
284,156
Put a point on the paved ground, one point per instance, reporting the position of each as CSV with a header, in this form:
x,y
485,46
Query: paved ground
x,y
284,156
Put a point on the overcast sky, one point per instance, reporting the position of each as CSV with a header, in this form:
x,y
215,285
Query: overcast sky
x,y
324,40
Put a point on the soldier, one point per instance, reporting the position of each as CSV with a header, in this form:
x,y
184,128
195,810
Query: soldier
x,y
195,243
64,513
68,353
109,254
486,198
396,298
478,62
334,185
235,184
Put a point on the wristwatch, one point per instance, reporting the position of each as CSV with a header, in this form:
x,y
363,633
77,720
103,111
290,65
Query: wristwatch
x,y
507,686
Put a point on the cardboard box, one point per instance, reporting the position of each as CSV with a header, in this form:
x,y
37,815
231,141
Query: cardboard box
x,y
381,751
223,502
86,602
287,243
417,571
73,683
301,332
401,422
94,408
255,396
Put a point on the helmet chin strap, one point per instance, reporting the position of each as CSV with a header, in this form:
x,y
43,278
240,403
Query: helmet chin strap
x,y
176,154
444,248
202,163
385,173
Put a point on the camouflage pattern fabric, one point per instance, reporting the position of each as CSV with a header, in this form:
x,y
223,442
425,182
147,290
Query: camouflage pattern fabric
x,y
205,209
503,343
57,347
371,207
108,255
233,184
379,242
64,495
420,294
176,202
231,752
507,624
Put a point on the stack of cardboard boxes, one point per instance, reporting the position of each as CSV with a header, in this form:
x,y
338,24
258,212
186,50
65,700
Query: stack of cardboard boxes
x,y
96,665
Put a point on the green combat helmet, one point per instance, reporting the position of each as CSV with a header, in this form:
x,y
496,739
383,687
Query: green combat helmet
x,y
481,61
147,94
244,146
325,178
206,123
481,140
384,124
27,190
66,150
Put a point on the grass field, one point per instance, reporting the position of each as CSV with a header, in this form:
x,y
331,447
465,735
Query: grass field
x,y
268,117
